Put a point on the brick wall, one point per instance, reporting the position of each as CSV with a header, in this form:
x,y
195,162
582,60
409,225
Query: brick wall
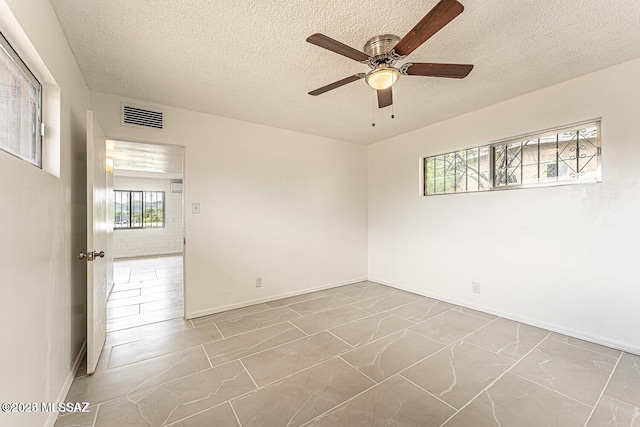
x,y
150,241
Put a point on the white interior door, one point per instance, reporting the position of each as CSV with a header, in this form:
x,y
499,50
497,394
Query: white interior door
x,y
97,231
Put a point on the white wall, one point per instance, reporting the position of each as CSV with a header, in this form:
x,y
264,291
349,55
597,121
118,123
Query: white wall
x,y
285,206
43,217
559,257
150,241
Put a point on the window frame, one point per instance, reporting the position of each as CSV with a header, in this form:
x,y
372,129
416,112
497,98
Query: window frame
x,y
6,47
506,141
130,210
423,181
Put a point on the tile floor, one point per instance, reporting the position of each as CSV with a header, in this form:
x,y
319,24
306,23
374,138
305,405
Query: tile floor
x,y
358,355
146,290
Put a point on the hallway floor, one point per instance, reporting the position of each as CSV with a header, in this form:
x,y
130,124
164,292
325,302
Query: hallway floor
x,y
146,290
357,355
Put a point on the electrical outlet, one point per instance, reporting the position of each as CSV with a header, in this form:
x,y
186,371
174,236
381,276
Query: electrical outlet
x,y
258,282
475,287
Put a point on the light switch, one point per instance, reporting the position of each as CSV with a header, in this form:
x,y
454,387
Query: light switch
x,y
195,208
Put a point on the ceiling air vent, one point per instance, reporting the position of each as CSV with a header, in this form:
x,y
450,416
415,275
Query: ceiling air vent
x,y
141,117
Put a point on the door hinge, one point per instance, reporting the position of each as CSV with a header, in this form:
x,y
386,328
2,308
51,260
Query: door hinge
x,y
41,129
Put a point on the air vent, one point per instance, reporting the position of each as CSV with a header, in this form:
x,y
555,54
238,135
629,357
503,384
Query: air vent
x,y
142,117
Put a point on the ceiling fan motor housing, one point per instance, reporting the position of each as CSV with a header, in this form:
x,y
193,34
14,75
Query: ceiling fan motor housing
x,y
379,47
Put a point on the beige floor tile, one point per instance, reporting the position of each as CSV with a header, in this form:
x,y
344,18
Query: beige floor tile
x,y
113,383
137,265
387,301
387,356
161,282
327,319
82,369
370,290
422,309
145,297
625,381
169,303
147,331
585,344
122,276
147,289
139,276
158,374
124,294
276,363
230,314
475,313
77,419
576,372
514,401
508,338
251,322
337,290
228,349
143,319
176,400
395,402
363,331
320,304
449,326
127,310
219,416
352,286
145,349
301,397
300,298
611,412
458,373
120,287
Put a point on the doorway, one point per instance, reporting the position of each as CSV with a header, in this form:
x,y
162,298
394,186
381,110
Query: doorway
x,y
146,290
148,234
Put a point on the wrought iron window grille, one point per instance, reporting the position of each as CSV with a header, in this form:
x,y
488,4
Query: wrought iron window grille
x,y
567,155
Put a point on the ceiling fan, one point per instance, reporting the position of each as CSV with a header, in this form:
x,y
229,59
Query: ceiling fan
x,y
383,51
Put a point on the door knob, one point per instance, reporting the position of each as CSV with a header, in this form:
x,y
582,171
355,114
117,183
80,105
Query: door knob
x,y
98,254
81,256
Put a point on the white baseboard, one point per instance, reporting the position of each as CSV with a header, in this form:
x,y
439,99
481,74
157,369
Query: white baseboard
x,y
53,416
200,313
607,342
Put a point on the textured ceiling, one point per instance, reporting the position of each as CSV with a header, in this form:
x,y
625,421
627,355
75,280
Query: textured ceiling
x,y
248,60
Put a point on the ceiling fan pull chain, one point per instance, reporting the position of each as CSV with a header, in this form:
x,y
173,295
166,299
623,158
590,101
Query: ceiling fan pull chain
x,y
373,111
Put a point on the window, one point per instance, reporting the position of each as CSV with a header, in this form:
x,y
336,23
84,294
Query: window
x,y
458,172
569,155
138,209
20,104
560,156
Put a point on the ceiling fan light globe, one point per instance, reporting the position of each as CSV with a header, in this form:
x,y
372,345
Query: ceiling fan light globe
x,y
382,78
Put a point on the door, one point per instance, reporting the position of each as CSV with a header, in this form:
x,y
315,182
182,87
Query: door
x,y
97,232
